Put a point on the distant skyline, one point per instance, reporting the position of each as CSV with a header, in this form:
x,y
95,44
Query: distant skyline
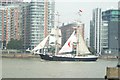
x,y
68,10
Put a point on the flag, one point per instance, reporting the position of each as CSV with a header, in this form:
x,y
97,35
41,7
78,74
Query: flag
x,y
80,10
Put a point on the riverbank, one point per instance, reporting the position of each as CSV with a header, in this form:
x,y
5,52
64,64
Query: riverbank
x,y
29,55
17,54
20,55
108,57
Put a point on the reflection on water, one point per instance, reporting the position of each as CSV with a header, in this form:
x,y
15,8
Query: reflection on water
x,y
37,68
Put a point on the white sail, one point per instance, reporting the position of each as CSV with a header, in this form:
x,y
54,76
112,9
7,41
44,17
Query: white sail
x,y
82,47
41,44
28,50
68,46
59,38
52,39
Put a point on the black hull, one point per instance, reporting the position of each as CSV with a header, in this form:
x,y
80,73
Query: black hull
x,y
56,58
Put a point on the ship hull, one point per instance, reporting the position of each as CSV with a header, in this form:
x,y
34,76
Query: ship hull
x,y
59,58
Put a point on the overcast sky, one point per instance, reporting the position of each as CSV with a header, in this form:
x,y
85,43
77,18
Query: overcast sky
x,y
68,10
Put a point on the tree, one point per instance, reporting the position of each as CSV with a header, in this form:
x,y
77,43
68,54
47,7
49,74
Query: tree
x,y
14,44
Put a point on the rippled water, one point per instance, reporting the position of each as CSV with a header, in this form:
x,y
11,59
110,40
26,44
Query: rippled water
x,y
37,68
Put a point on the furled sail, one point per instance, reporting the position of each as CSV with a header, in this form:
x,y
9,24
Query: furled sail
x,y
55,35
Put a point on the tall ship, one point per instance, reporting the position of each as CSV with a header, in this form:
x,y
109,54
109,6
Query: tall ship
x,y
51,44
74,49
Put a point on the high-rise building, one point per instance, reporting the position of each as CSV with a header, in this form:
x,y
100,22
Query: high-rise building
x,y
0,28
95,26
25,24
119,27
92,31
110,15
7,2
119,5
30,22
109,32
104,37
41,16
10,23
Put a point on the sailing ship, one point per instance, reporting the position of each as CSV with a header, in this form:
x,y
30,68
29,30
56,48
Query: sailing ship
x,y
48,45
74,49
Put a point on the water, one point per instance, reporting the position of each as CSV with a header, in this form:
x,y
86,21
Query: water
x,y
37,68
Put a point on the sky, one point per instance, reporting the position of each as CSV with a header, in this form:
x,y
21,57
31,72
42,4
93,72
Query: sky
x,y
68,10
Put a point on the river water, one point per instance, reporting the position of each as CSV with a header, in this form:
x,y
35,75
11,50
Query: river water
x,y
37,68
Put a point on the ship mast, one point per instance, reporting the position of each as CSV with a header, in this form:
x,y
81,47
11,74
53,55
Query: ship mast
x,y
78,31
78,34
78,37
57,34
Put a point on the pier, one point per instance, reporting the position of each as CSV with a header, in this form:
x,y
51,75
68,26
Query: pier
x,y
112,73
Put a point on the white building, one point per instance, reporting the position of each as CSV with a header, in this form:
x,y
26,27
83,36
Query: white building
x,y
95,30
41,20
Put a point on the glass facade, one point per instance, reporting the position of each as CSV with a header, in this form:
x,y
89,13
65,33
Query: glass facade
x,y
104,37
0,27
111,15
109,41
